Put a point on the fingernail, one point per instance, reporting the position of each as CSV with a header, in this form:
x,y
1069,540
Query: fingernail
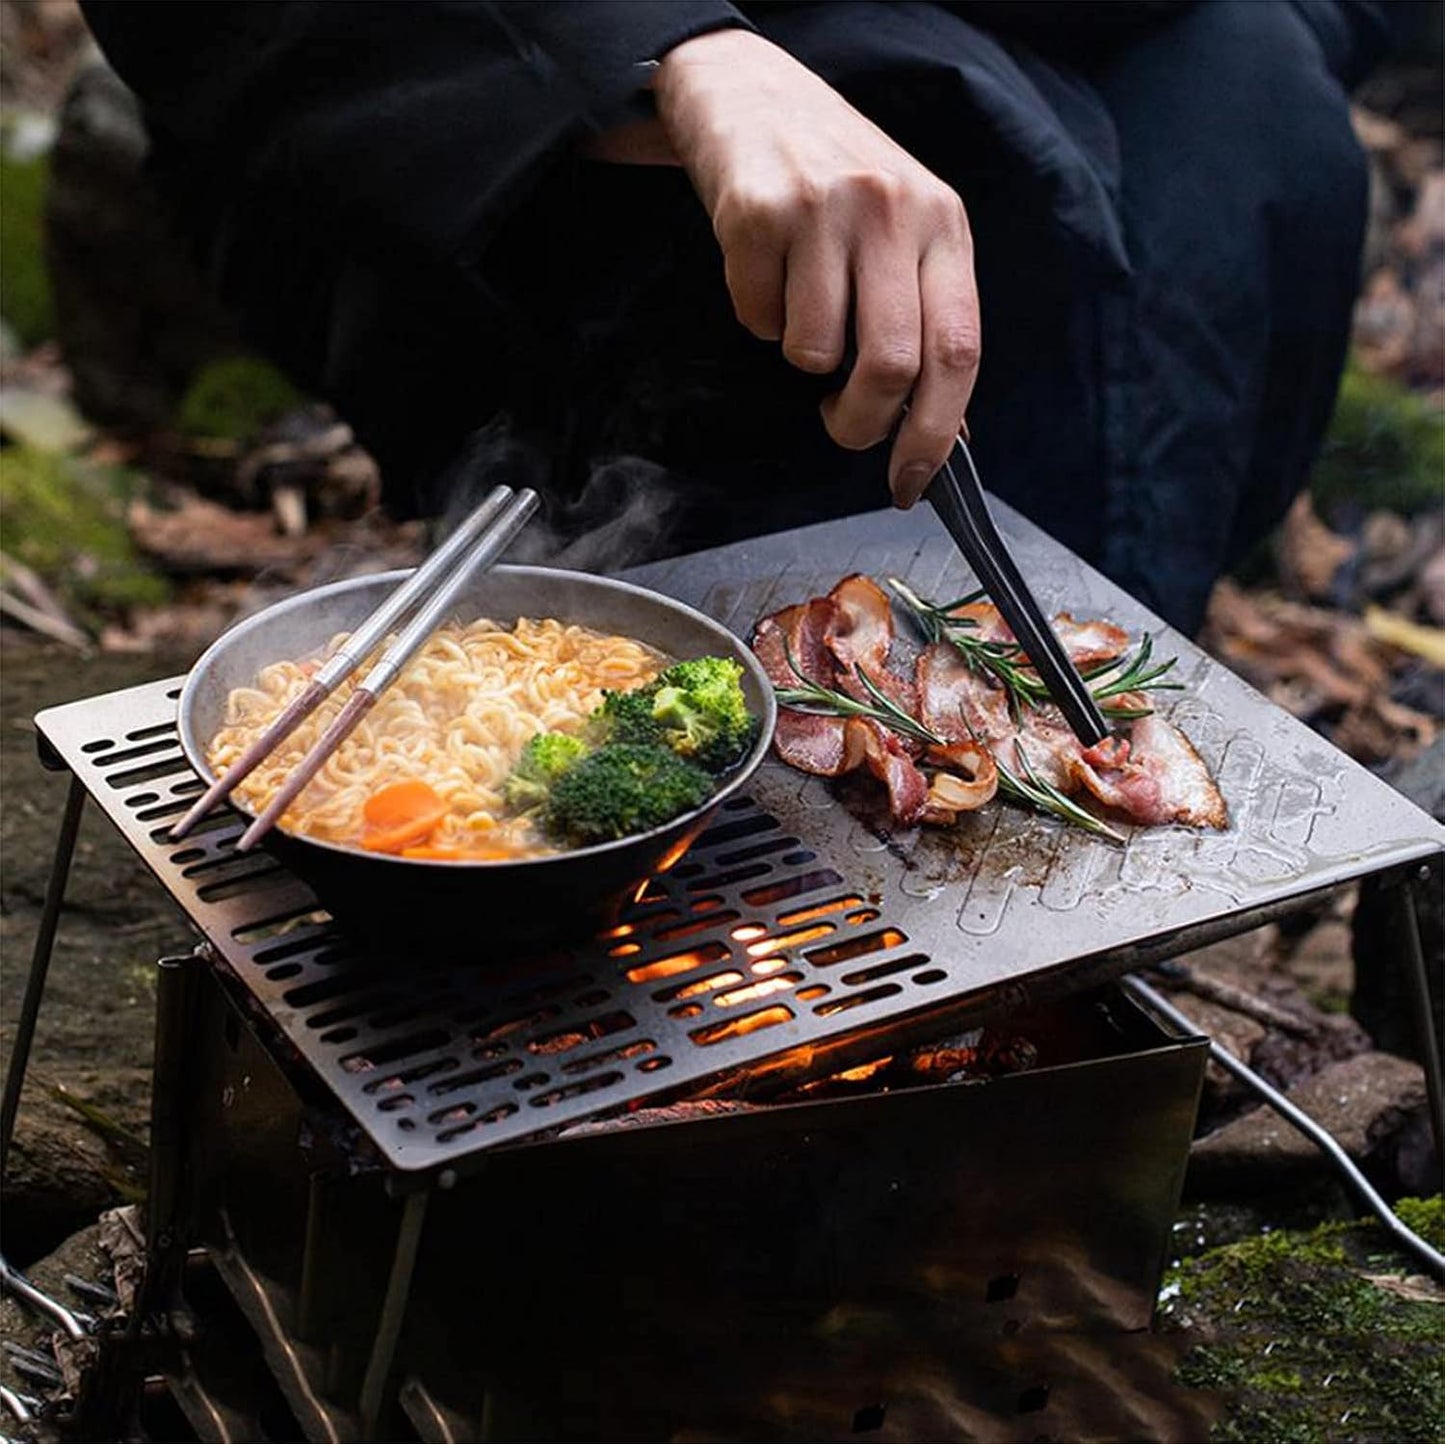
x,y
911,482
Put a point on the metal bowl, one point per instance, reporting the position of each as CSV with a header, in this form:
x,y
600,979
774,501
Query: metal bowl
x,y
467,908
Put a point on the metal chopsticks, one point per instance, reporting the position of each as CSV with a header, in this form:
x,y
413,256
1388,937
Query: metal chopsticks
x,y
477,542
963,510
349,656
494,541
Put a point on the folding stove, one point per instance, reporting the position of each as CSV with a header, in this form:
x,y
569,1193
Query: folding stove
x,y
402,1172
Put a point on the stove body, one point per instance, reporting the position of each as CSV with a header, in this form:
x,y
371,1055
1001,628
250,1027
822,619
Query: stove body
x,y
923,1259
375,1152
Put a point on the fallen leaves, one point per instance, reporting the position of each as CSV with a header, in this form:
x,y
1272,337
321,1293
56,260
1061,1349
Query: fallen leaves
x,y
1328,667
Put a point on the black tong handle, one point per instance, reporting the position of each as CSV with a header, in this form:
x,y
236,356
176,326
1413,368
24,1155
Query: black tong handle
x,y
962,509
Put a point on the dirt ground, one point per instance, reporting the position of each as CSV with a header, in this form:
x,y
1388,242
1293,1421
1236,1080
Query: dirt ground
x,y
116,920
93,1039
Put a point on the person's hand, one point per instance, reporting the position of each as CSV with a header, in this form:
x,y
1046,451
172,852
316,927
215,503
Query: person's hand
x,y
819,215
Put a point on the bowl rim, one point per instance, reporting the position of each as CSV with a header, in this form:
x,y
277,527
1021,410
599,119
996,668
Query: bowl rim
x,y
730,782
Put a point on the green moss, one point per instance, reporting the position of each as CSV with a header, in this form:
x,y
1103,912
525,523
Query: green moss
x,y
65,519
1425,1216
233,398
1385,448
25,299
1309,1348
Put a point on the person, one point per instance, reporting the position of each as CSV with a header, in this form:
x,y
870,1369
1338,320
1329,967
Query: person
x,y
786,251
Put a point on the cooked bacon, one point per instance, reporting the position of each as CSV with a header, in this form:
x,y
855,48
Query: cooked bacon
x,y
802,630
1186,791
824,746
862,631
970,781
862,637
890,763
1088,643
957,703
1152,775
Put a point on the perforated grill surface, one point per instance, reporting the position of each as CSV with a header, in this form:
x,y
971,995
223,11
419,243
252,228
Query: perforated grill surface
x,y
799,919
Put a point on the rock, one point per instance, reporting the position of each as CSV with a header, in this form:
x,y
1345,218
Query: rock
x,y
64,519
1384,325
1385,449
131,311
48,423
1244,960
1372,1103
1235,1033
1286,1059
1322,965
62,1171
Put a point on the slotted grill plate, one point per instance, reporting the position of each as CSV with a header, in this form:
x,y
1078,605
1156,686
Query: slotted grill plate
x,y
797,920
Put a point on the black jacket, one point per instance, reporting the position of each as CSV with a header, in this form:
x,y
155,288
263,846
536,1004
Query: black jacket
x,y
354,171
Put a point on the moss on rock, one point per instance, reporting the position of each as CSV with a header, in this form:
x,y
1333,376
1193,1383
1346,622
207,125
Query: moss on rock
x,y
25,298
233,398
1316,1335
65,519
1385,448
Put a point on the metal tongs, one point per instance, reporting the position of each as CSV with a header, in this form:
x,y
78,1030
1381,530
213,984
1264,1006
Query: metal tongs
x,y
962,509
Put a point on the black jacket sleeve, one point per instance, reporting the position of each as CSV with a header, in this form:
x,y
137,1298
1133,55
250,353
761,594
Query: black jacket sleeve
x,y
413,124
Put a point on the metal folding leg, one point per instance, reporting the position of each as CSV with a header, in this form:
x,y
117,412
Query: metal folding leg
x,y
1427,1027
40,964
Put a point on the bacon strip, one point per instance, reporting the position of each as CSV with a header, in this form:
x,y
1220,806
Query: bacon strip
x,y
862,637
823,746
890,763
1088,643
1151,775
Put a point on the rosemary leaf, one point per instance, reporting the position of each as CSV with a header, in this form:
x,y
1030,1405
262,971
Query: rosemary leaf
x,y
1007,663
1041,794
810,696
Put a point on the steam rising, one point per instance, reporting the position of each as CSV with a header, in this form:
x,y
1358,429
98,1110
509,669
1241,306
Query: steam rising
x,y
622,515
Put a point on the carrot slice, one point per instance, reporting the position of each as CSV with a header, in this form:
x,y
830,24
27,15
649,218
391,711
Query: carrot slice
x,y
400,815
457,854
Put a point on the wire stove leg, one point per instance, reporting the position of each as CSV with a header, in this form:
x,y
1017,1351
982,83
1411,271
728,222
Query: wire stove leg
x,y
112,1389
393,1311
40,964
1418,1248
1408,926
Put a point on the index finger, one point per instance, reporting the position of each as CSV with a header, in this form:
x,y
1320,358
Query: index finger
x,y
951,352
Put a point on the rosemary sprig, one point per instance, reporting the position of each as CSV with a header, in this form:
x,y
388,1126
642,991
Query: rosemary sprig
x,y
1030,789
810,696
1037,792
1008,664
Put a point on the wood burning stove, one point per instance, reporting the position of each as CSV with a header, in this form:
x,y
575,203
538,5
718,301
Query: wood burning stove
x,y
448,1200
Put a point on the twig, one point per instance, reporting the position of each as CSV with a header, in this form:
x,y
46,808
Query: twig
x,y
1230,995
99,1119
57,630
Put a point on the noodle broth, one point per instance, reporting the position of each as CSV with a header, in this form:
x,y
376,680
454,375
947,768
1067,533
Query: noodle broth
x,y
457,719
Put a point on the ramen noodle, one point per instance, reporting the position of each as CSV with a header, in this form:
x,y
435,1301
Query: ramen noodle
x,y
457,719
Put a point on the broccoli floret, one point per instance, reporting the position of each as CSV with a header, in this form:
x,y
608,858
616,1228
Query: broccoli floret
x,y
701,707
623,788
545,759
626,717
